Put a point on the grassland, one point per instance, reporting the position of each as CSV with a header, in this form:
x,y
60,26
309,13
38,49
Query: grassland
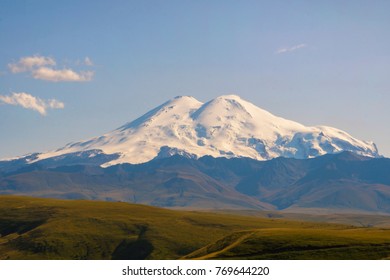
x,y
36,228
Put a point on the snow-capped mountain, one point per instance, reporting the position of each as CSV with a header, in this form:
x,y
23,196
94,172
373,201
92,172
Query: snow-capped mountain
x,y
227,126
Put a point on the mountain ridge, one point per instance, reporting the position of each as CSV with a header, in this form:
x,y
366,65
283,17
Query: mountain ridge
x,y
226,126
340,182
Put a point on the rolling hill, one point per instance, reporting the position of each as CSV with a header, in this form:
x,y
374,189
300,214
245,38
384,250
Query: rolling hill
x,y
36,228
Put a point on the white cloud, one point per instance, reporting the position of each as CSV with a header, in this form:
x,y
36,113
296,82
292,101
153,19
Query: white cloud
x,y
291,49
88,61
42,68
28,101
64,75
29,62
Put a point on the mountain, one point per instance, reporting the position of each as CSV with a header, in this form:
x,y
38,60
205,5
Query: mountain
x,y
223,154
227,126
343,182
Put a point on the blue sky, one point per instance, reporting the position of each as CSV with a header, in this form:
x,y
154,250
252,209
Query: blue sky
x,y
70,70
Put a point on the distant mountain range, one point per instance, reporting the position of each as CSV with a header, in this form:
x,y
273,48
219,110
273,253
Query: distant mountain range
x,y
334,182
226,153
227,126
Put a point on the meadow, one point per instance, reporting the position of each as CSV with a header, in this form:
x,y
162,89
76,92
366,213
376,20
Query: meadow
x,y
40,228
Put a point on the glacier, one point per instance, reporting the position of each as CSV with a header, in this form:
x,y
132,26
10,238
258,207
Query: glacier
x,y
227,126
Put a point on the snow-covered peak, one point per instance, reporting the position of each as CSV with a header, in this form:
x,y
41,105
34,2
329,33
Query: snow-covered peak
x,y
172,109
227,126
184,97
229,97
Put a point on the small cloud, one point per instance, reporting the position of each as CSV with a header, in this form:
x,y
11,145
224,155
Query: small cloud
x,y
291,49
64,75
28,101
42,68
88,61
29,62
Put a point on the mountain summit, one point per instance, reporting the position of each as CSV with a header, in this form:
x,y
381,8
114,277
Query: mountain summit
x,y
226,126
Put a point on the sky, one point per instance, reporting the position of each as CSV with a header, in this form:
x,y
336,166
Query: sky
x,y
72,70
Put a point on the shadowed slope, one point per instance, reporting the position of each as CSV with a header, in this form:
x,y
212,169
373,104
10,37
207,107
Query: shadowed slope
x,y
341,182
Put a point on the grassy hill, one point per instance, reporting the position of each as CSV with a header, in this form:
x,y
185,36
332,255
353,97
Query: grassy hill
x,y
37,228
294,243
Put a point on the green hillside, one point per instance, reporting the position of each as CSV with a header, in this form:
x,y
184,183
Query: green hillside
x,y
35,228
295,243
